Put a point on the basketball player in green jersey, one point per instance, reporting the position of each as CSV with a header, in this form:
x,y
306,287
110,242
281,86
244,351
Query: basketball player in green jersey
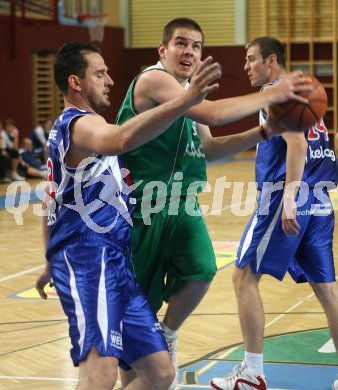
x,y
172,252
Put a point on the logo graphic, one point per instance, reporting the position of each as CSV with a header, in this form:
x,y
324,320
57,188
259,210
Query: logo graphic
x,y
116,339
112,182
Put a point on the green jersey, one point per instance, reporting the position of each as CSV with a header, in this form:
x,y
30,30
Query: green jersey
x,y
175,157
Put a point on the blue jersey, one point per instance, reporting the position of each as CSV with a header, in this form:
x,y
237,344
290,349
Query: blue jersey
x,y
320,164
92,200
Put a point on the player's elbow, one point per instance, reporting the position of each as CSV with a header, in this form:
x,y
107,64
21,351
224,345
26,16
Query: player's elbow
x,y
112,144
213,119
207,116
210,156
124,143
215,148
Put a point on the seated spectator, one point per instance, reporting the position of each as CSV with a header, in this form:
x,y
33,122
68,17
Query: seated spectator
x,y
4,163
39,137
29,164
10,143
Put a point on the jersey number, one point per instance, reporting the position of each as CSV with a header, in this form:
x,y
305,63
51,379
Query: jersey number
x,y
314,131
51,183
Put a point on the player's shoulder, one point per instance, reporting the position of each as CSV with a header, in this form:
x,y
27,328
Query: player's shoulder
x,y
156,75
157,85
88,119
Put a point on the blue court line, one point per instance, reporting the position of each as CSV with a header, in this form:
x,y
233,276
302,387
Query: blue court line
x,y
286,376
24,198
20,199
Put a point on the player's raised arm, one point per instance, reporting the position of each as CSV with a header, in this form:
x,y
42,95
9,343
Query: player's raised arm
x,y
231,109
92,133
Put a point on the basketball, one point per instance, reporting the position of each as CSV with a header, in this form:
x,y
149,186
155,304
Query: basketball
x,y
298,116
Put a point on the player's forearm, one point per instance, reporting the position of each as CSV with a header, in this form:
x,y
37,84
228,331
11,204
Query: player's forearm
x,y
232,109
295,162
142,128
221,147
223,111
45,207
45,232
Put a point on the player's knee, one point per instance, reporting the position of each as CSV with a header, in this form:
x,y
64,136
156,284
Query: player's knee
x,y
242,277
162,378
237,277
98,373
326,292
199,285
106,380
97,380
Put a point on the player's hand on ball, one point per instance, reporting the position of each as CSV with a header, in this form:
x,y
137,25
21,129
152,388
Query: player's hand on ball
x,y
288,86
298,82
297,115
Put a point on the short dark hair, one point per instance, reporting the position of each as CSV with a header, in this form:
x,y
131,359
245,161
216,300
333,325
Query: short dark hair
x,y
8,121
69,60
173,25
268,46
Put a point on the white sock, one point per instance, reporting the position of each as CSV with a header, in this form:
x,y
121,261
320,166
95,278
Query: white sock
x,y
254,361
167,330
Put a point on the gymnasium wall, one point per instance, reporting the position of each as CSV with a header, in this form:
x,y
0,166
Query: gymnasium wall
x,y
123,64
16,70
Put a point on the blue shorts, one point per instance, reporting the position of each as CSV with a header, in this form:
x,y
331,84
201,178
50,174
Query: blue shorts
x,y
104,304
307,257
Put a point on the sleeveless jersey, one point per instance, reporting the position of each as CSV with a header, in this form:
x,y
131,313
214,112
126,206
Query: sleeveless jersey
x,y
320,164
177,151
91,200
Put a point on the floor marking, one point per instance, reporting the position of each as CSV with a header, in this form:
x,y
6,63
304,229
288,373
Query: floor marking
x,y
223,356
28,271
328,347
211,364
39,378
229,207
289,310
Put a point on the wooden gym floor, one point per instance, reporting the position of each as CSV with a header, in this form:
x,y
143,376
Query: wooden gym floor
x,y
34,343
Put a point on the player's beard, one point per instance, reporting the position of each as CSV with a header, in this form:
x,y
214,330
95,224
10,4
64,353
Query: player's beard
x,y
101,105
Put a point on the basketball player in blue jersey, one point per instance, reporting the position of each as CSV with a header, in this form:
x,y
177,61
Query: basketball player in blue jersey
x,y
292,228
89,217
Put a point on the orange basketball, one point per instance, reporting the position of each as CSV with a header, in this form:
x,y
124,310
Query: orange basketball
x,y
297,116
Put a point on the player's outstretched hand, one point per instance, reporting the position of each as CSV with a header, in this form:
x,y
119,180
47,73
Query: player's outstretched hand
x,y
289,85
41,283
203,81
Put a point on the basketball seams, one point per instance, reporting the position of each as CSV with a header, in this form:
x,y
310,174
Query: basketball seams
x,y
285,113
317,117
300,119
